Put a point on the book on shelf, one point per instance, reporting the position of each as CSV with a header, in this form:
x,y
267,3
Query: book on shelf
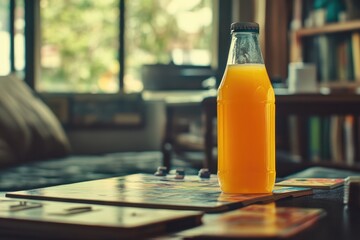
x,y
355,44
335,57
349,141
345,65
314,126
325,138
350,67
356,131
294,135
342,61
336,136
332,139
343,139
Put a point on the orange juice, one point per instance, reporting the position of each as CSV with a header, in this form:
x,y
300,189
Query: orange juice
x,y
246,130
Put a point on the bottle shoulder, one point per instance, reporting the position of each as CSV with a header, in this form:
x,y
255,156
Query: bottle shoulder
x,y
246,82
245,74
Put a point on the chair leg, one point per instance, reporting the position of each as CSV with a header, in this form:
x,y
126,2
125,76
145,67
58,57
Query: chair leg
x,y
167,149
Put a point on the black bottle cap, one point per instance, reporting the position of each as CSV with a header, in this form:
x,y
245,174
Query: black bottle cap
x,y
245,27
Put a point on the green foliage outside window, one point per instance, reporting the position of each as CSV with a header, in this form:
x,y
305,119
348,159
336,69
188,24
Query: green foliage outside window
x,y
80,40
79,45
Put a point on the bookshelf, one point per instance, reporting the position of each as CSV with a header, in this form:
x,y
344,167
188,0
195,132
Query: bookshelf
x,y
327,35
322,107
329,29
324,128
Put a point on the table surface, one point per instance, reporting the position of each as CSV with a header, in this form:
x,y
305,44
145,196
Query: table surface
x,y
340,222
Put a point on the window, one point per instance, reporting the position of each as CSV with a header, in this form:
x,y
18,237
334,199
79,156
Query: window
x,y
19,37
79,46
165,32
80,41
86,46
12,47
5,37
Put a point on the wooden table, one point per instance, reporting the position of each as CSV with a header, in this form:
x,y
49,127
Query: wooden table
x,y
340,222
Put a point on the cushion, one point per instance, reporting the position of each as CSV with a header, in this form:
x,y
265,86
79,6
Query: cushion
x,y
28,129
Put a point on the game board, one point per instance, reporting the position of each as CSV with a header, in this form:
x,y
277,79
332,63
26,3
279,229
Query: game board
x,y
145,190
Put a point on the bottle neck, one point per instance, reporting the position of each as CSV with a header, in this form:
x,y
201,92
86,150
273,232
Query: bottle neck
x,y
245,49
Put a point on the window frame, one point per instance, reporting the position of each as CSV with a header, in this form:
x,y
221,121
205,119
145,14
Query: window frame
x,y
12,7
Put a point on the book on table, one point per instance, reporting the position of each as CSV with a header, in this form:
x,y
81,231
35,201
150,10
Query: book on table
x,y
59,220
256,222
321,183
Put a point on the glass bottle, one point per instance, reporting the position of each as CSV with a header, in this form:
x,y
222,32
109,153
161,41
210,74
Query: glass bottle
x,y
246,117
